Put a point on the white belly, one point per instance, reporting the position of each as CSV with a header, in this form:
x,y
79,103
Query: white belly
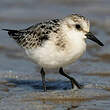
x,y
49,57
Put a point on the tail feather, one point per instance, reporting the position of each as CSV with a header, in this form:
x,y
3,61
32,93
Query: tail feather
x,y
12,32
19,36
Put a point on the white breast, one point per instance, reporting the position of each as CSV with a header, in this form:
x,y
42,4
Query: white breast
x,y
49,56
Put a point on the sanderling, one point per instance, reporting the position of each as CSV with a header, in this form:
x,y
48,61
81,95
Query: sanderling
x,y
55,43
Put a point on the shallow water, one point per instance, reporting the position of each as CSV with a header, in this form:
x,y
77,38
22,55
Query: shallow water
x,y
20,80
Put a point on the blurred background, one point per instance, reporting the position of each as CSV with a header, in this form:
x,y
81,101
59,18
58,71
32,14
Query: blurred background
x,y
93,68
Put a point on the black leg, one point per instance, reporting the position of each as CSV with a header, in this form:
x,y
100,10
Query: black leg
x,y
73,81
43,79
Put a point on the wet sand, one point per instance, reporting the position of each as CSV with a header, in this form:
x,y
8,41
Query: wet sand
x,y
20,80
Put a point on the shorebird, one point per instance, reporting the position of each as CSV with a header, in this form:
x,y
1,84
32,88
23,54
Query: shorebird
x,y
55,43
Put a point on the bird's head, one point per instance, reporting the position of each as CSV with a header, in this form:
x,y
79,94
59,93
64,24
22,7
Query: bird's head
x,y
80,27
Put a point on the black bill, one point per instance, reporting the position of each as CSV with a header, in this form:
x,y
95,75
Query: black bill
x,y
93,38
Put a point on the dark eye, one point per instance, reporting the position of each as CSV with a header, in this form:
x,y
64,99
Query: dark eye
x,y
78,26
